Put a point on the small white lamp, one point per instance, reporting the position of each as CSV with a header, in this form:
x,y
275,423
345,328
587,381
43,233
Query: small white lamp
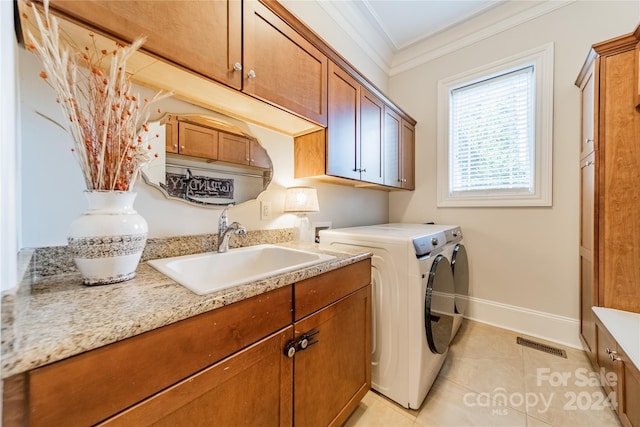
x,y
301,200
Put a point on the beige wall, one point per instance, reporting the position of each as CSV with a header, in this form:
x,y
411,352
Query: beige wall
x,y
523,261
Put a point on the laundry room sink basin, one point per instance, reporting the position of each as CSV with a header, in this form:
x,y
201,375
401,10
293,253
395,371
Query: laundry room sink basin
x,y
212,271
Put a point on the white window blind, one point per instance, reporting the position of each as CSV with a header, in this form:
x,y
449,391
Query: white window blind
x,y
495,133
492,139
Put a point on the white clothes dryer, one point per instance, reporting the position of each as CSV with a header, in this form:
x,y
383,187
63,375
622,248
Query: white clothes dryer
x,y
414,306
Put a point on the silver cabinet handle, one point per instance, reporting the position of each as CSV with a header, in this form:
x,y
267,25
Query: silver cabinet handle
x,y
589,163
237,66
588,141
251,74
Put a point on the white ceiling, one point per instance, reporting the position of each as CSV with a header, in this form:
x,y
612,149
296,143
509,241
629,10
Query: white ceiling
x,y
400,34
406,22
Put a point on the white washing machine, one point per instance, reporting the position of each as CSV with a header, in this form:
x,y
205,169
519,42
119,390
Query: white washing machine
x,y
415,312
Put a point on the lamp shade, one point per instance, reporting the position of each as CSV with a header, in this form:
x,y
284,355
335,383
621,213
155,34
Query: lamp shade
x,y
301,199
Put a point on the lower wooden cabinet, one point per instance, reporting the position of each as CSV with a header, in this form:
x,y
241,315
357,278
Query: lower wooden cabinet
x,y
621,378
228,367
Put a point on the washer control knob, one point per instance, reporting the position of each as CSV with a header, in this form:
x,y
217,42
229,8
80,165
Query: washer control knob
x,y
434,241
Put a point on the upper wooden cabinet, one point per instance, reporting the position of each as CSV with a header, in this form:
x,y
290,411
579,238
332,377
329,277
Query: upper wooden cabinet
x,y
343,131
282,67
203,36
354,131
366,143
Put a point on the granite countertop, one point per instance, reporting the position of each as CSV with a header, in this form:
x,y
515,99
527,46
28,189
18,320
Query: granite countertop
x,y
57,317
624,326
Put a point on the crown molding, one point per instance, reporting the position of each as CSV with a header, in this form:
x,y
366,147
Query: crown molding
x,y
366,35
450,41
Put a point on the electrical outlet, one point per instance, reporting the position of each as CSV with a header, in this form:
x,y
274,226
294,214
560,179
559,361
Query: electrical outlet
x,y
265,210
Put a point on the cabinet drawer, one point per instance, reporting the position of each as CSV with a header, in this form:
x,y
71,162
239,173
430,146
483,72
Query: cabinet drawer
x,y
214,395
88,388
317,292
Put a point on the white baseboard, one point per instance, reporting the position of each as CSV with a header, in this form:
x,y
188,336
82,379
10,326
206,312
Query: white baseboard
x,y
550,327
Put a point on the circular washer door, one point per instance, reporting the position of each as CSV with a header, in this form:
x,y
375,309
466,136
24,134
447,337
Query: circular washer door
x,y
439,305
460,269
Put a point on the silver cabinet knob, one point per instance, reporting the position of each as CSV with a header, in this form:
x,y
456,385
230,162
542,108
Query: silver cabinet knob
x,y
588,141
237,66
251,74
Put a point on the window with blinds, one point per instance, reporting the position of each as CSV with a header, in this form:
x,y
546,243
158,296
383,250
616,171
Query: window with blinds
x,y
495,133
491,134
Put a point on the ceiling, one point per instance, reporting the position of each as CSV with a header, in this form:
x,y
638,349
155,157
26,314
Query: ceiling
x,y
406,22
398,35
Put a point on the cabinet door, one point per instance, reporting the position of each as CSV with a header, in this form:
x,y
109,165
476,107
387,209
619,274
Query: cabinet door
x,y
259,156
198,141
392,138
343,129
588,118
607,348
407,154
629,392
332,375
234,149
250,388
171,134
588,276
211,51
371,124
281,67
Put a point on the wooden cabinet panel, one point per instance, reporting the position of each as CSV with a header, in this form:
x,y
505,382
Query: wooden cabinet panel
x,y
171,134
606,347
588,120
637,92
259,156
343,130
371,137
90,387
392,148
198,141
629,391
407,153
234,149
250,388
619,203
332,375
280,66
588,279
169,26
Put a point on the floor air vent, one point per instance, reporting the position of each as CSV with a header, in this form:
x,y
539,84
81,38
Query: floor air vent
x,y
542,347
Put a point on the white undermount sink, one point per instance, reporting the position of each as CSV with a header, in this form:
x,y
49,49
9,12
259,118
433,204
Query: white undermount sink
x,y
212,271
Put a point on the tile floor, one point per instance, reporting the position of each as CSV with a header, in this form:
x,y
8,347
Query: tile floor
x,y
485,367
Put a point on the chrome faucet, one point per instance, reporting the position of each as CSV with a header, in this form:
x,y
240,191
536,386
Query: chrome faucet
x,y
224,231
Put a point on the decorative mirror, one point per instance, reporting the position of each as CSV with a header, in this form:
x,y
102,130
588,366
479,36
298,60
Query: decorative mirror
x,y
204,161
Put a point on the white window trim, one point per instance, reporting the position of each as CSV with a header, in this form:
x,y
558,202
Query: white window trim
x,y
542,59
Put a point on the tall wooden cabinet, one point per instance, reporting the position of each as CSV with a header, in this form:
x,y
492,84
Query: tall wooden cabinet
x,y
610,195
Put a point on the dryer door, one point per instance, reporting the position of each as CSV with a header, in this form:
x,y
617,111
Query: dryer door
x,y
460,268
439,305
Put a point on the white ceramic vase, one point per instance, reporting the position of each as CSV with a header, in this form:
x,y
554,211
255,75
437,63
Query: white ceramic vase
x,y
107,240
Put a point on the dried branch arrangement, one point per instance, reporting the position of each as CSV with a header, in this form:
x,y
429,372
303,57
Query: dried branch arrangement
x,y
105,119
